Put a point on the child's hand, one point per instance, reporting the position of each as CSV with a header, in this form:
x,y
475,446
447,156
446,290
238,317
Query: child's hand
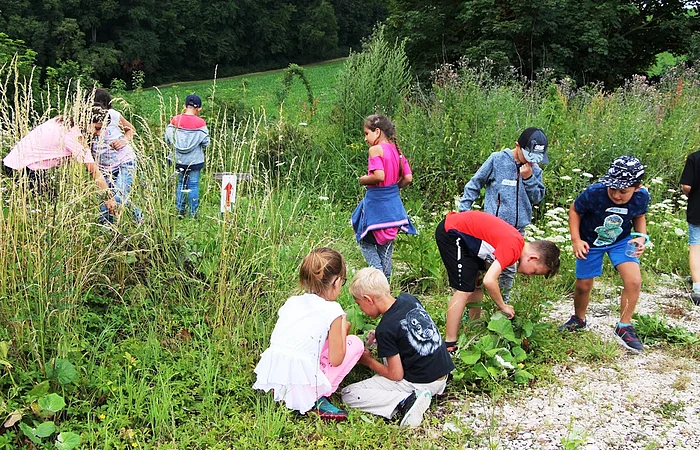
x,y
640,241
366,358
119,144
526,171
580,248
371,339
508,310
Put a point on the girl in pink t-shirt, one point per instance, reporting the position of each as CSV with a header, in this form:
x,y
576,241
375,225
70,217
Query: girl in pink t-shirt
x,y
386,166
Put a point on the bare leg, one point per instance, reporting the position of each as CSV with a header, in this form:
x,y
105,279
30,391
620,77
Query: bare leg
x,y
632,286
582,296
694,260
455,310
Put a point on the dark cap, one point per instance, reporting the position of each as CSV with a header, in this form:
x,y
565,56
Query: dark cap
x,y
193,100
624,171
534,144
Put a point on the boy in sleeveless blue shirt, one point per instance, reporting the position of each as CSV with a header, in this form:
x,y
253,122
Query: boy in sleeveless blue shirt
x,y
601,220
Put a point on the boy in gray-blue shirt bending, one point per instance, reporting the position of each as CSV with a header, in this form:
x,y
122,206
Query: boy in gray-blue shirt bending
x,y
513,182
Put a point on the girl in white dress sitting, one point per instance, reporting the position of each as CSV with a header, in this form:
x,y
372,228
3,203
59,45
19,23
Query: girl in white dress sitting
x,y
310,351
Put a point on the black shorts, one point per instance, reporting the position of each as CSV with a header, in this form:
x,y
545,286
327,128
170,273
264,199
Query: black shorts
x,y
462,264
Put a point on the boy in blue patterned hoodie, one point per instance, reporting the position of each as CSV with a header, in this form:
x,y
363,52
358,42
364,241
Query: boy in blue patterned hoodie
x,y
189,135
513,182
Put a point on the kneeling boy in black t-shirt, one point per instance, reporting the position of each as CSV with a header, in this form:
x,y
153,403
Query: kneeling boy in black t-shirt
x,y
416,362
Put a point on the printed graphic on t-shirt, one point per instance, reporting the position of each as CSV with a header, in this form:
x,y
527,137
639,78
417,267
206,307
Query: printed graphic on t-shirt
x,y
422,333
609,231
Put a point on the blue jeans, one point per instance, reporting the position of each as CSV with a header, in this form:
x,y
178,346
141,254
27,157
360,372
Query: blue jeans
x,y
119,181
187,189
378,256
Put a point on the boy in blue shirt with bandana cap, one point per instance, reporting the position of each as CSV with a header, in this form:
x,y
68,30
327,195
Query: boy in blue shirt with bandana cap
x,y
601,221
513,182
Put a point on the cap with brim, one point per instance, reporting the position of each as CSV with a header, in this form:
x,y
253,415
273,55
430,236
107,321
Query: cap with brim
x,y
624,171
193,100
534,146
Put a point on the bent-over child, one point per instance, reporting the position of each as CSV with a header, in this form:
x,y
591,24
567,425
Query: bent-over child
x,y
472,242
690,184
601,221
189,134
416,363
310,351
513,182
380,214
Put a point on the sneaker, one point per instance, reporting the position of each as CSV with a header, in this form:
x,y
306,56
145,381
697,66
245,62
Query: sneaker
x,y
695,297
628,338
327,411
573,324
413,408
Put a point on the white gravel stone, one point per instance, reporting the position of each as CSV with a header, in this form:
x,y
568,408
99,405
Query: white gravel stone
x,y
645,401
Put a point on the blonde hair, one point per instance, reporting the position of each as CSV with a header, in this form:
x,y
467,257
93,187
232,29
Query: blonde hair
x,y
370,281
320,269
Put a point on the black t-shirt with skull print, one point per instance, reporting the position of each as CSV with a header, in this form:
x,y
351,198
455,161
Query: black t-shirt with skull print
x,y
406,329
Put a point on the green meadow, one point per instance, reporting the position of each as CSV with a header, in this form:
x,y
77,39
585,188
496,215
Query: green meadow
x,y
146,335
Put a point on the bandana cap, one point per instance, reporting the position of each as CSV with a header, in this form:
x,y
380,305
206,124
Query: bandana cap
x,y
624,171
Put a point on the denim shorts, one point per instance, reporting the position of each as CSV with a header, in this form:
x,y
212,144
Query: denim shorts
x,y
693,234
592,266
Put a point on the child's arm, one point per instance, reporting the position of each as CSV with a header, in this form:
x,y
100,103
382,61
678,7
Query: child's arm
x,y
580,246
532,180
129,132
490,283
686,188
640,226
405,180
393,369
473,188
336,341
377,176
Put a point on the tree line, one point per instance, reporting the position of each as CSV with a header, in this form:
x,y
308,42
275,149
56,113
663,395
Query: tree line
x,y
588,40
180,40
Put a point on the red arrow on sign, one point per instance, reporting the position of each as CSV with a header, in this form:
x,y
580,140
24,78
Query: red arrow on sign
x,y
228,190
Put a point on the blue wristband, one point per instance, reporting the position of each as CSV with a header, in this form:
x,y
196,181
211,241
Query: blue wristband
x,y
645,236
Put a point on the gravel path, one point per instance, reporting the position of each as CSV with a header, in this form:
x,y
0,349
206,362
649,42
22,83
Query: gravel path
x,y
646,401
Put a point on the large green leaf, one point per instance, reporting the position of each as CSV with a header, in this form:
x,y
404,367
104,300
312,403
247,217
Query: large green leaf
x,y
470,356
45,429
519,354
67,441
523,376
38,391
51,403
503,327
528,328
487,342
29,432
62,370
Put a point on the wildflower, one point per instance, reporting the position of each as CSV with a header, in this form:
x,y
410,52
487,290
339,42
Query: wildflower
x,y
554,223
556,239
587,175
102,417
657,180
303,124
323,198
576,170
672,191
503,363
565,178
679,231
560,230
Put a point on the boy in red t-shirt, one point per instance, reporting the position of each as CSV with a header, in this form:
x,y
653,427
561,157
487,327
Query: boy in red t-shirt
x,y
473,241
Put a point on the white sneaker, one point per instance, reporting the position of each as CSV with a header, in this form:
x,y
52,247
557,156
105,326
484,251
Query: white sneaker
x,y
414,415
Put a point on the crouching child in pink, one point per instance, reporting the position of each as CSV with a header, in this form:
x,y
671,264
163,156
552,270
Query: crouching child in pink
x,y
310,351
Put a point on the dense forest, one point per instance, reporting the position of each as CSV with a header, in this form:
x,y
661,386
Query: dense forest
x,y
588,40
180,40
